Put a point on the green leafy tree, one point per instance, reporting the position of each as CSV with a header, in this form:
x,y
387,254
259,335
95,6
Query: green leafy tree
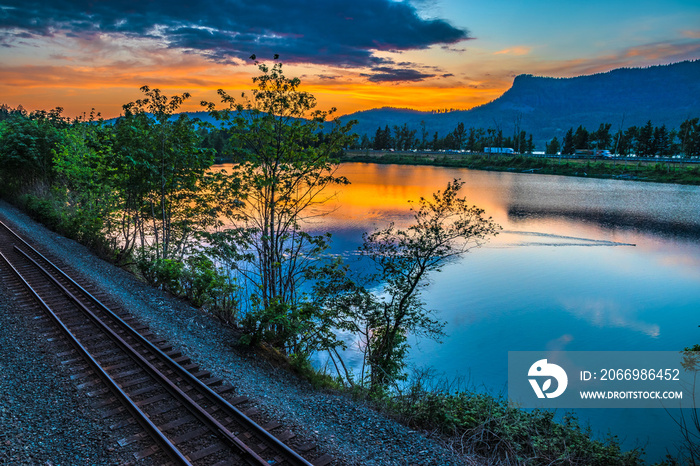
x,y
471,140
436,144
286,167
383,139
444,227
83,183
404,138
423,135
365,142
27,148
662,141
160,170
520,143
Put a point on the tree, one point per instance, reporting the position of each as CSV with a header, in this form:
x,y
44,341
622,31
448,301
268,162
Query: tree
x,y
629,141
382,139
364,142
645,140
83,183
27,146
601,138
581,138
436,142
662,141
471,141
404,138
569,145
553,147
160,168
521,141
460,135
423,135
286,166
689,136
444,227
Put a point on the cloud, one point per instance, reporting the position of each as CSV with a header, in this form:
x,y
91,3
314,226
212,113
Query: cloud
x,y
691,34
326,33
518,50
655,53
610,314
388,74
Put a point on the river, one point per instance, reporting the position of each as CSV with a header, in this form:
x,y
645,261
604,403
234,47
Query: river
x,y
581,264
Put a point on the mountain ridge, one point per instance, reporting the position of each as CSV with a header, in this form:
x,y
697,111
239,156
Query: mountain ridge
x,y
548,106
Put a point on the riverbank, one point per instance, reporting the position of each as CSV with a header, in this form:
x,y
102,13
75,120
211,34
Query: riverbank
x,y
352,432
659,172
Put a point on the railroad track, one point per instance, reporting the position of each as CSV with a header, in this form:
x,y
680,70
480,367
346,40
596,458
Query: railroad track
x,y
183,411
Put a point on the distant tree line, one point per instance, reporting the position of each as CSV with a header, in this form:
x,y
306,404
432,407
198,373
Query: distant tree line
x,y
401,138
643,141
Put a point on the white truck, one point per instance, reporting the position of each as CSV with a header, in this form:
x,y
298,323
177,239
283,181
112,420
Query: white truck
x,y
499,150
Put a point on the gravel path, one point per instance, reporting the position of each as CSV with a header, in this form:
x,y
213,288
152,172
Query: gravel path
x,y
351,432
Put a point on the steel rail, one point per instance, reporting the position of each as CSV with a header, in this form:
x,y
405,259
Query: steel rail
x,y
292,457
171,450
154,372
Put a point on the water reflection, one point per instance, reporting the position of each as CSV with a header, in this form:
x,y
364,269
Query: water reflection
x,y
581,264
609,313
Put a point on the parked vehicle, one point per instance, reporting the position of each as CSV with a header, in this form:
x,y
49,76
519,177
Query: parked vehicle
x,y
499,150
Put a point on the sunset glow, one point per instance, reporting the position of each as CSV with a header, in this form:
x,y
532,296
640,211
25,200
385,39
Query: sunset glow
x,y
357,56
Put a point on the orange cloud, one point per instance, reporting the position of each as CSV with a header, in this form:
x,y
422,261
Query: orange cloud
x,y
518,50
691,34
644,55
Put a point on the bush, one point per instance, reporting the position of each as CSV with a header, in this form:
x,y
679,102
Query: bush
x,y
196,279
204,285
41,209
162,273
485,425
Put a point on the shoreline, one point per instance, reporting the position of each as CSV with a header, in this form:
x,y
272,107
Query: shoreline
x,y
627,170
332,419
339,425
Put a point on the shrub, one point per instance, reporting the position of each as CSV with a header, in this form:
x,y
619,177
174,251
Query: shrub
x,y
485,425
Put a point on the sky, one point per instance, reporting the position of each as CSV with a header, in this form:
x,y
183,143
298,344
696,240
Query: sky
x,y
353,55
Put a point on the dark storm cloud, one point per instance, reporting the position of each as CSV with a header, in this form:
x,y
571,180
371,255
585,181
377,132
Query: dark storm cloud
x,y
387,74
333,33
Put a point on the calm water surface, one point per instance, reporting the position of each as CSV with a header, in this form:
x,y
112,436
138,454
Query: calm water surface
x,y
581,264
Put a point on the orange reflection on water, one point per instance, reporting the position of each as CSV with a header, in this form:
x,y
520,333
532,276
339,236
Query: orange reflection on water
x,y
534,210
382,192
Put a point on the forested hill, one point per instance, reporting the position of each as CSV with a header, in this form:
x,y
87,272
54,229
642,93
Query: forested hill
x,y
548,107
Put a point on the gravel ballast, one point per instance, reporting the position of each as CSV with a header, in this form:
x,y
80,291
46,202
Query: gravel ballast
x,y
44,419
351,432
